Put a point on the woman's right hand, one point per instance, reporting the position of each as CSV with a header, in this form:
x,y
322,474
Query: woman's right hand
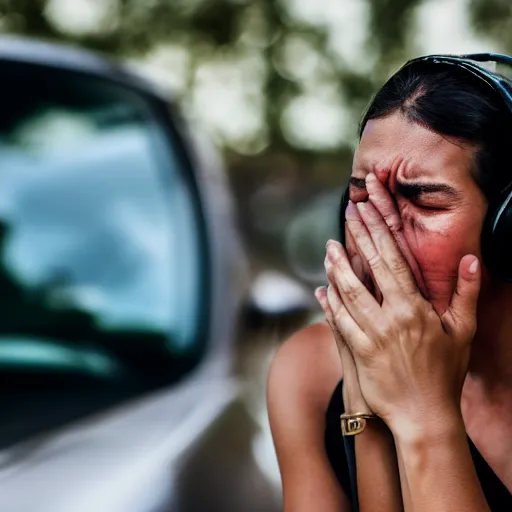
x,y
353,399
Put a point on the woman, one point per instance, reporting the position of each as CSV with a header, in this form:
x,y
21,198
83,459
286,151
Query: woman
x,y
418,333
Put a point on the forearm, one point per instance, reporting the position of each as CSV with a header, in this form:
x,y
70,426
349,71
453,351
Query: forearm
x,y
378,480
436,469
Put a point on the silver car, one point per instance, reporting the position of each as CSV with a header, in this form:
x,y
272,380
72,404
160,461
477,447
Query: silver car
x,y
120,278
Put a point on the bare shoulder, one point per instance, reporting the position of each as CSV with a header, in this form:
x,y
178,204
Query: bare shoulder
x,y
302,378
306,368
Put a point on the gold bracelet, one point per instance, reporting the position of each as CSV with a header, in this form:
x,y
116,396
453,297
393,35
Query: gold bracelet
x,y
353,424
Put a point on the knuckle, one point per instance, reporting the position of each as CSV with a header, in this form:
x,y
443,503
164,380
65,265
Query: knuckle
x,y
398,268
337,319
469,328
340,323
366,351
387,330
374,260
406,313
335,315
356,222
332,273
351,293
394,222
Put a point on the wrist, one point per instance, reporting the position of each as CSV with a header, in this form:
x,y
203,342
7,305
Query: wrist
x,y
432,429
353,399
436,463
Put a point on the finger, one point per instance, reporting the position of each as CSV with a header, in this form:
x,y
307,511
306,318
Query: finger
x,y
341,344
350,245
357,265
357,299
361,267
380,196
376,259
387,247
321,295
348,364
461,315
345,325
385,205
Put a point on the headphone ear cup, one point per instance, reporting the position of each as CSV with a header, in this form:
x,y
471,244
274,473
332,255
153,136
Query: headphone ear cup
x,y
496,243
343,206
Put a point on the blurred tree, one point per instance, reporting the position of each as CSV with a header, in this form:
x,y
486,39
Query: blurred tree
x,y
493,18
230,30
289,79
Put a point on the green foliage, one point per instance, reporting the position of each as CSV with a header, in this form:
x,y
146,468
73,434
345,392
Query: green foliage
x,y
207,26
263,29
290,57
493,18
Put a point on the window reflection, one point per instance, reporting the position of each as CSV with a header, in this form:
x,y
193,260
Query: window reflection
x,y
99,238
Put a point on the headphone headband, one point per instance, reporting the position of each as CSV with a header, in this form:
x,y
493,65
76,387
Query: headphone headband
x,y
472,64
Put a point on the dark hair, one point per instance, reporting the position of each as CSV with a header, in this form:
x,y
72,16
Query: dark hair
x,y
451,102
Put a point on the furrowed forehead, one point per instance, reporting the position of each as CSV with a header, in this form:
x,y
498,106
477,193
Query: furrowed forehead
x,y
421,154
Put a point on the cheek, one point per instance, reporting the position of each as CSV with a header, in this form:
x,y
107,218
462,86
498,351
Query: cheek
x,y
438,242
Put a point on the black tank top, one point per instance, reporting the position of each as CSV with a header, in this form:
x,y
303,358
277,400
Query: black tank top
x,y
497,495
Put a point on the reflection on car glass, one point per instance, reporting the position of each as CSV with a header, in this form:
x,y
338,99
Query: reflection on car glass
x,y
51,128
93,248
26,352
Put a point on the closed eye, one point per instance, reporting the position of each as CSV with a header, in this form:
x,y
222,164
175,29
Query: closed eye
x,y
431,197
430,208
427,206
415,190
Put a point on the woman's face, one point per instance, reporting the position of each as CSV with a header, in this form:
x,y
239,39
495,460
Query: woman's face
x,y
441,206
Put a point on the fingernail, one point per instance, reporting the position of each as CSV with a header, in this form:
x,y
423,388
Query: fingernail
x,y
350,212
362,207
318,291
371,180
473,267
333,249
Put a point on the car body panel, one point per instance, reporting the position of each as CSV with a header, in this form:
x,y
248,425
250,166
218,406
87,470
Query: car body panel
x,y
128,457
123,460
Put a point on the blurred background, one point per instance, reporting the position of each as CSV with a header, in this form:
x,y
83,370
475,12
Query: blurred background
x,y
278,87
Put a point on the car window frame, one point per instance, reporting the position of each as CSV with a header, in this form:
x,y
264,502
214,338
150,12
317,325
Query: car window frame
x,y
167,118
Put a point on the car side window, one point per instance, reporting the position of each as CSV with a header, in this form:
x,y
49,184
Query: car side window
x,y
102,254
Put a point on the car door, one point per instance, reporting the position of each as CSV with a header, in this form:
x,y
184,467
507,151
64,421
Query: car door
x,y
114,251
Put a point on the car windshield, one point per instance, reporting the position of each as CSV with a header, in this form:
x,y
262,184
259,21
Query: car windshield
x,y
101,259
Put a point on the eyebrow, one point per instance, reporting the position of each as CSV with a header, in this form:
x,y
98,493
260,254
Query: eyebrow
x,y
417,189
412,189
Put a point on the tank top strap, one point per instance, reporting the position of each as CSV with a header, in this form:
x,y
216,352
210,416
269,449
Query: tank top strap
x,y
334,442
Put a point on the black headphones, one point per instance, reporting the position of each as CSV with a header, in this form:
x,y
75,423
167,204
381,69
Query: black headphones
x,y
496,237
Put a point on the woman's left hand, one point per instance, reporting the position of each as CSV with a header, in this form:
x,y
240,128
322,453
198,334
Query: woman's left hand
x,y
411,361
